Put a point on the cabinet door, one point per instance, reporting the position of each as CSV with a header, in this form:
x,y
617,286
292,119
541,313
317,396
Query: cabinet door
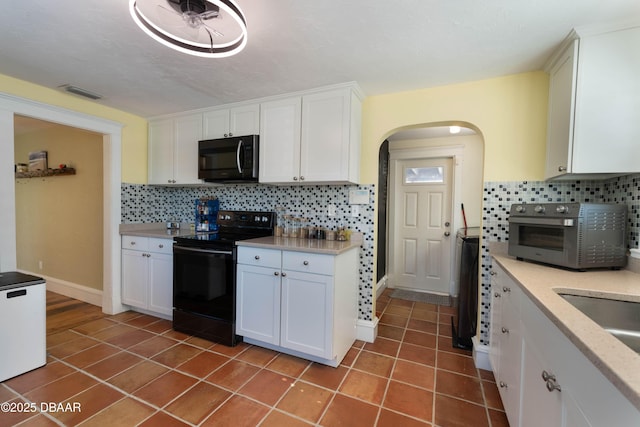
x,y
540,407
160,152
161,283
496,325
607,103
188,131
307,313
258,303
244,120
215,124
324,150
135,277
280,141
562,86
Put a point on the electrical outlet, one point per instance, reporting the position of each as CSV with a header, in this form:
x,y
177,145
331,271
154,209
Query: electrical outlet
x,y
355,210
331,210
40,265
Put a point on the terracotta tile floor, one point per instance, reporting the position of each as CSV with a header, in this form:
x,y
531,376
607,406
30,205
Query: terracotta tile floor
x,y
133,369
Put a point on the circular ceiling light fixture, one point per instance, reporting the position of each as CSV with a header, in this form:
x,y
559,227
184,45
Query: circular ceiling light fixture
x,y
206,28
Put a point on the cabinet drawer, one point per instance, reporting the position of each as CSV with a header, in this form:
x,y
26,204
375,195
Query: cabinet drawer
x,y
307,262
163,246
259,257
135,243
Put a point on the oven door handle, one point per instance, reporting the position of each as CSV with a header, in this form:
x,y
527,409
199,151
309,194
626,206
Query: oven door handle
x,y
558,222
206,251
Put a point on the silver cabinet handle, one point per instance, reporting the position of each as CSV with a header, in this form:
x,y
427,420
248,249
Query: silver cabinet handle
x,y
503,384
497,295
305,262
295,178
562,168
257,257
506,289
551,382
302,178
132,243
493,273
284,274
275,273
161,246
505,330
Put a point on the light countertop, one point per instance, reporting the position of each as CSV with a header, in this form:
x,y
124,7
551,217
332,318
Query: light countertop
x,y
541,284
329,247
157,230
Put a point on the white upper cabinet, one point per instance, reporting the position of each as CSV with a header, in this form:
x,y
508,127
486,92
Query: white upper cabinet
x,y
236,121
280,141
173,150
311,138
593,106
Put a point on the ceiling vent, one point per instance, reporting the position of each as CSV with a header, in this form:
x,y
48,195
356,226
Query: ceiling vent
x,y
79,91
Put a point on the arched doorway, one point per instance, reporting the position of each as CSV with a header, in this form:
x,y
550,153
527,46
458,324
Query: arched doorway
x,y
466,151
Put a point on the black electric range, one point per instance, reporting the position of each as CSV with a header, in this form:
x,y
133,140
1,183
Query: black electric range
x,y
204,275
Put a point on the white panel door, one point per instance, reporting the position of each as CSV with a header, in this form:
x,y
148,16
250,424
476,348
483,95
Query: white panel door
x,y
161,152
420,224
280,140
161,283
258,303
188,131
307,311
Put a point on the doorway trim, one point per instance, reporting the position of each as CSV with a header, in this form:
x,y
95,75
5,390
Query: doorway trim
x,y
456,153
112,149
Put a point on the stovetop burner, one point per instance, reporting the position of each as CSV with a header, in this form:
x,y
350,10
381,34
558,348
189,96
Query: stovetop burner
x,y
233,226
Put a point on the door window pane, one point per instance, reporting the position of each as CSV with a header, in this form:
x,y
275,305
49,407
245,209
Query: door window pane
x,y
430,175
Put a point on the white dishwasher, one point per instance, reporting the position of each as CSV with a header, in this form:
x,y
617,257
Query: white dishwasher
x,y
23,324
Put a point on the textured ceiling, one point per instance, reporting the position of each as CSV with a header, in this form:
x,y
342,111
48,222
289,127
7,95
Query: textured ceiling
x,y
386,46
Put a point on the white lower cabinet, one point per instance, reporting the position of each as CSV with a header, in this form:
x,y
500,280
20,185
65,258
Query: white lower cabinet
x,y
552,381
299,303
147,274
506,340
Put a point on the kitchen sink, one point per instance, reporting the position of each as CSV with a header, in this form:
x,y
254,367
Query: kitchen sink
x,y
620,318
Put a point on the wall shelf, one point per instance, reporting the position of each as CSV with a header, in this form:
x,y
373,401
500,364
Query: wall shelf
x,y
46,173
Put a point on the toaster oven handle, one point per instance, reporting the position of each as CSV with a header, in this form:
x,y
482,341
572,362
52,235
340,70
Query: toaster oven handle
x,y
558,222
238,150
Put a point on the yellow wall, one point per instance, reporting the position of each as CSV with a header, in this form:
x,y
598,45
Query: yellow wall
x,y
59,219
510,112
134,131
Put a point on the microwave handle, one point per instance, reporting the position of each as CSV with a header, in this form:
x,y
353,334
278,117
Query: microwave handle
x,y
238,150
560,222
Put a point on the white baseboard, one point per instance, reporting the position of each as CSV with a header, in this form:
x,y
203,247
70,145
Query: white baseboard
x,y
381,286
481,355
71,290
367,330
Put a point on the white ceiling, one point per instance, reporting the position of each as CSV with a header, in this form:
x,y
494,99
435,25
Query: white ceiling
x,y
386,46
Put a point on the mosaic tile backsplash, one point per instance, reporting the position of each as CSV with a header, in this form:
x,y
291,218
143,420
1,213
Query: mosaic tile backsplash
x,y
497,200
147,204
142,203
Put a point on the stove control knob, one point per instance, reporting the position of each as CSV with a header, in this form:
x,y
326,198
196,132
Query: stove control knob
x,y
561,209
520,209
256,218
539,209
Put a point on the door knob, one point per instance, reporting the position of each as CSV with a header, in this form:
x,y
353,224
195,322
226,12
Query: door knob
x,y
446,224
447,234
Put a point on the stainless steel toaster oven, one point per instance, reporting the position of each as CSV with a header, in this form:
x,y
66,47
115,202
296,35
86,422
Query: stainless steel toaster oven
x,y
572,235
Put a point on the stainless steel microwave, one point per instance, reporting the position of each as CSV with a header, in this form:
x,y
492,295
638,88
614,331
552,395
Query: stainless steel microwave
x,y
572,235
233,159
